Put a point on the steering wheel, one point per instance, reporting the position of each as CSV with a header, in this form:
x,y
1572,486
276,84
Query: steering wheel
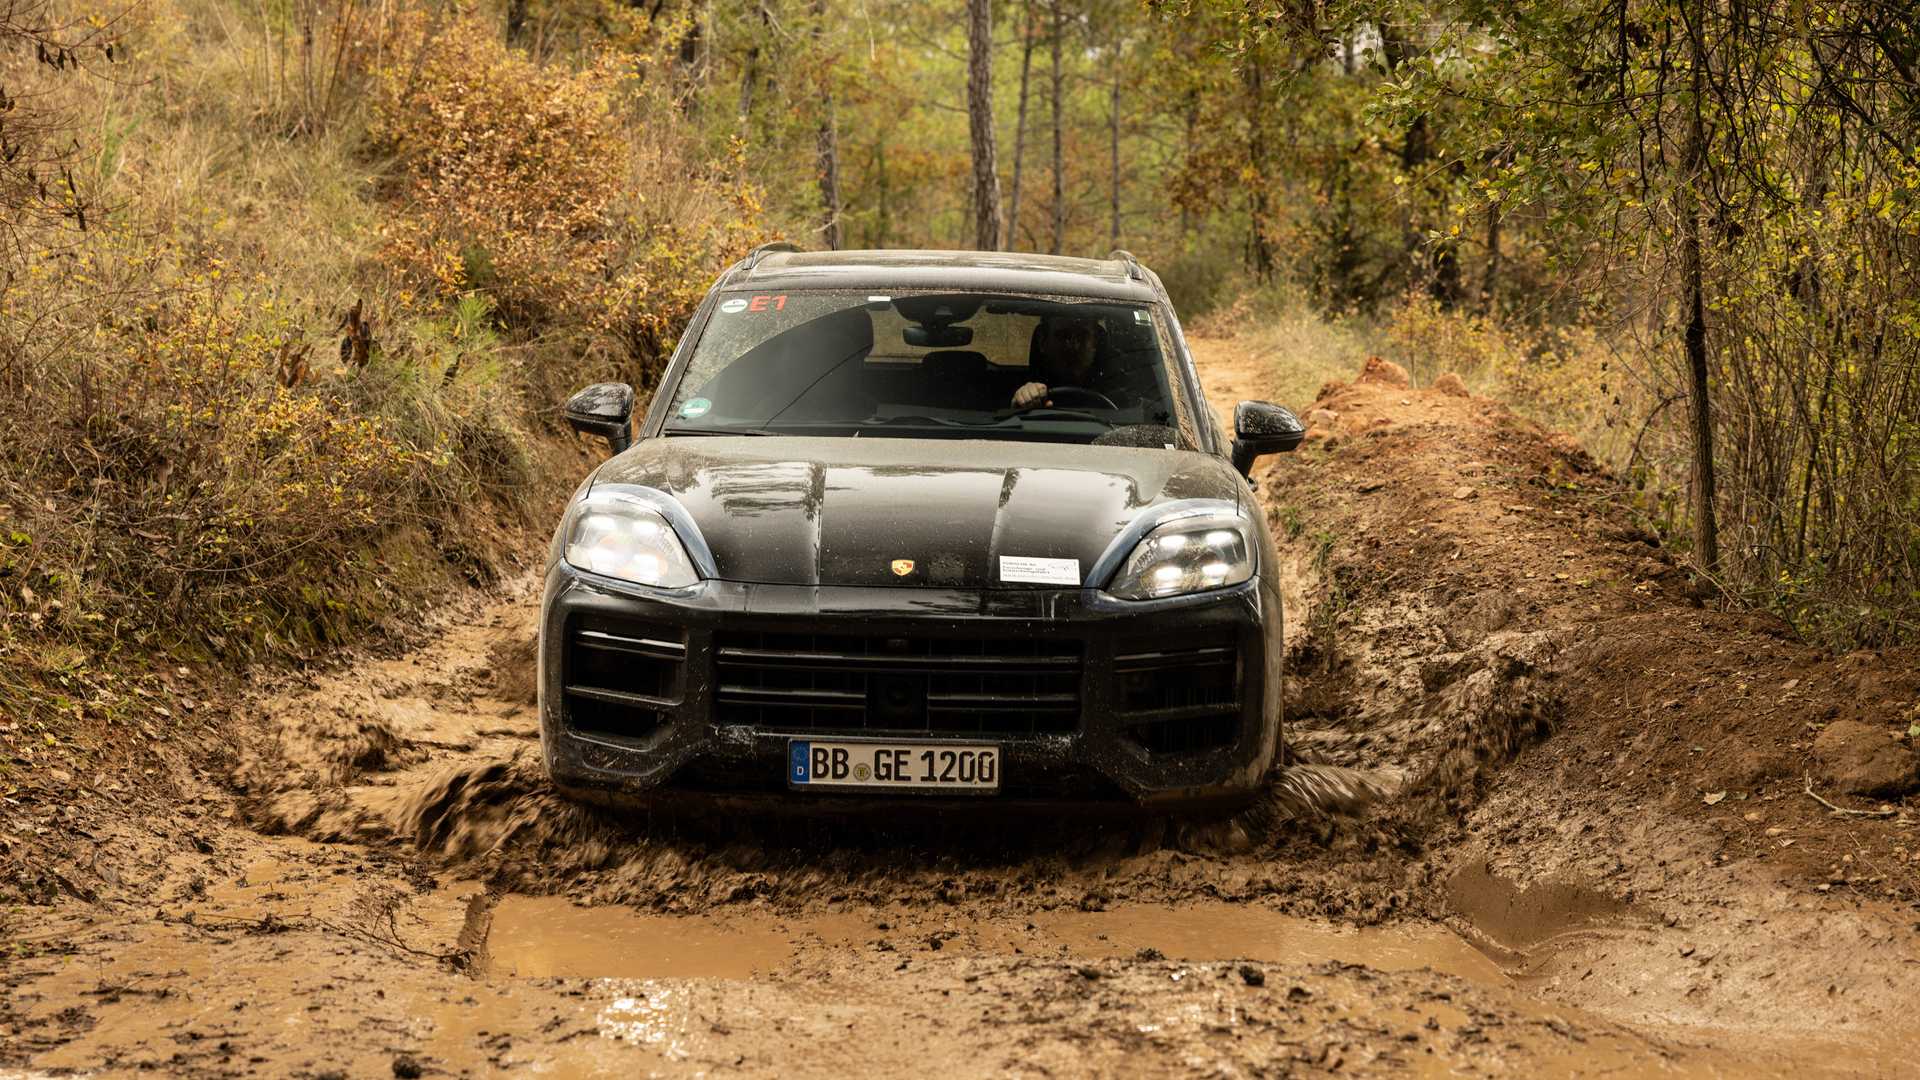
x,y
1086,397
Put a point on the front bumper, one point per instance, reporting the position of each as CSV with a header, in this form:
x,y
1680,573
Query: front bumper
x,y
647,696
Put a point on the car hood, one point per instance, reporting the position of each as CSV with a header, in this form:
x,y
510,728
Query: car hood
x,y
809,511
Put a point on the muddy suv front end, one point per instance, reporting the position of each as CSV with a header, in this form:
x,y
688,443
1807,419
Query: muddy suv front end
x,y
1088,699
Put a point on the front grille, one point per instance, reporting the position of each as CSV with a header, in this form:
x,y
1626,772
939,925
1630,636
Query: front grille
x,y
889,683
620,675
1180,698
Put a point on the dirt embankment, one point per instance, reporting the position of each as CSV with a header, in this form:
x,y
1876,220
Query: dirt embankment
x,y
1549,815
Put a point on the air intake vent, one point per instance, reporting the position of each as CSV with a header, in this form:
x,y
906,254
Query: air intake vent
x,y
620,676
960,686
1180,698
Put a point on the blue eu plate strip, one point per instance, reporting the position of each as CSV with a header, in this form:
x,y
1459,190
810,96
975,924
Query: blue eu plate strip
x,y
797,754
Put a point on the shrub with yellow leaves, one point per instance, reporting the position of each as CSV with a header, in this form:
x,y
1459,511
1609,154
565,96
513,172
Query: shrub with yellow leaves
x,y
546,190
168,483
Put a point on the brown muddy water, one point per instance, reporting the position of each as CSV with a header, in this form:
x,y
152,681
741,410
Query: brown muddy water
x,y
563,989
548,936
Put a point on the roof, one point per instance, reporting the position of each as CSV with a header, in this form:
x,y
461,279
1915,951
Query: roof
x,y
961,271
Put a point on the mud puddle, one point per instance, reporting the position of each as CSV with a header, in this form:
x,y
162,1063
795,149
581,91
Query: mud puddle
x,y
547,936
1232,987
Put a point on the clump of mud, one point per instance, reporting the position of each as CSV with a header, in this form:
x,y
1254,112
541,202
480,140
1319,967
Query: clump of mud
x,y
469,811
514,660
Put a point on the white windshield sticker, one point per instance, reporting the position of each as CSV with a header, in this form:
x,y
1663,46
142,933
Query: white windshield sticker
x,y
1027,570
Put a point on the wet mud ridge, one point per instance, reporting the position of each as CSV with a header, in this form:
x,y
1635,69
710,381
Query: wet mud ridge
x,y
1548,814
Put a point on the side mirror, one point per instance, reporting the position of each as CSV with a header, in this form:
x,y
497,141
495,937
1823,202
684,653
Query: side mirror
x,y
1261,428
604,409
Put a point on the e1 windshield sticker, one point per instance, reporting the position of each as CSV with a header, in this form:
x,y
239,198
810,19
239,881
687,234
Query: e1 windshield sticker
x,y
1027,570
739,304
1140,316
695,409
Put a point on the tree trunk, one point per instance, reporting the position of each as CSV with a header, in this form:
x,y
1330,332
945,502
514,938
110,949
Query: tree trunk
x,y
1186,154
828,139
883,223
1440,263
1259,250
1706,536
749,77
986,169
1113,157
693,67
1020,126
1490,282
1059,165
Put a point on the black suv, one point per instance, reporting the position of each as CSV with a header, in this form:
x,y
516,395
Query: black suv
x,y
913,524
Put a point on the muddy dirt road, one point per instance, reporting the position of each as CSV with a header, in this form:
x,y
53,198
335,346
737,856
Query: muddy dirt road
x,y
1549,817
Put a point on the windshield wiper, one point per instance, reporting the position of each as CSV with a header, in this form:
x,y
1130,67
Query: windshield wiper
x,y
885,421
1050,412
679,429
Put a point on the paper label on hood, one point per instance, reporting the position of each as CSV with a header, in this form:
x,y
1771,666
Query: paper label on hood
x,y
1027,570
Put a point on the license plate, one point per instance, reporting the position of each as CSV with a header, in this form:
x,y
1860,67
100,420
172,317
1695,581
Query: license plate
x,y
893,766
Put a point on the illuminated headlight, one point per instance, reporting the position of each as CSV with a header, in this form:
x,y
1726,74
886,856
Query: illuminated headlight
x,y
1186,555
615,534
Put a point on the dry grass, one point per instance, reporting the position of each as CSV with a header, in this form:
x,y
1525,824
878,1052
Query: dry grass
x,y
1306,349
208,456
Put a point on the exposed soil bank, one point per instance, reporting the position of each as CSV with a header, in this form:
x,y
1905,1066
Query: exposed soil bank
x,y
1549,817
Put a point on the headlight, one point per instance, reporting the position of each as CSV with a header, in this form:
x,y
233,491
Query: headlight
x,y
618,535
1186,555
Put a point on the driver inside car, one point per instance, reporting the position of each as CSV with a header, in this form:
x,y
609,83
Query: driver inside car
x,y
1065,351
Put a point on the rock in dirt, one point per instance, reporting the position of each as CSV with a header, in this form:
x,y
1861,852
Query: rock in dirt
x,y
1860,759
1387,372
1451,385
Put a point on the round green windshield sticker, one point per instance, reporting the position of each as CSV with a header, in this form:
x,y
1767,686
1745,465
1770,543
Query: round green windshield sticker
x,y
733,305
695,408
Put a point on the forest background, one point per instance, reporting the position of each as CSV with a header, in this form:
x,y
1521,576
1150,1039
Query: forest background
x,y
291,290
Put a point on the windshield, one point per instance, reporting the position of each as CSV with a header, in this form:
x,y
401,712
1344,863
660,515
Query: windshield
x,y
927,365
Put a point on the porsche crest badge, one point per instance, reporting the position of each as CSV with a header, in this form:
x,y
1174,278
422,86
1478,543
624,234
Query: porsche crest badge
x,y
902,567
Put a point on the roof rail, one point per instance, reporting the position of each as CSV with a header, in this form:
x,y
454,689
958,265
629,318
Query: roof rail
x,y
1133,265
754,256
